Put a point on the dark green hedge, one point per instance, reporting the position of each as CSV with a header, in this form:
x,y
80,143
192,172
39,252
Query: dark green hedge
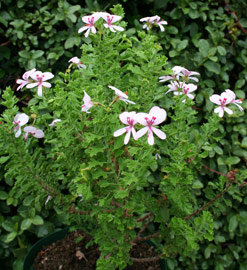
x,y
205,36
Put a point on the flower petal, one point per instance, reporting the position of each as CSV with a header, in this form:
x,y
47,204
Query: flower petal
x,y
150,138
119,132
40,90
84,28
39,133
127,137
159,114
229,111
46,84
141,132
140,118
18,133
32,85
159,133
215,99
23,118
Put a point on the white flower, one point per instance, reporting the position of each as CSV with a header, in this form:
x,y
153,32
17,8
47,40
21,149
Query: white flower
x,y
40,79
181,88
47,199
149,21
127,118
175,76
160,23
157,156
110,19
233,99
25,80
75,60
153,20
187,75
20,120
52,124
186,90
174,86
87,103
37,133
221,100
122,96
90,21
155,116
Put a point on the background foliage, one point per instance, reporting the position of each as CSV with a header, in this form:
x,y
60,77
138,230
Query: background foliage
x,y
205,36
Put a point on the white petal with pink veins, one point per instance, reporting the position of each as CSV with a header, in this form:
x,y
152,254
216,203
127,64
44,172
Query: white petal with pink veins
x,y
159,114
127,137
215,99
141,132
229,111
140,118
32,85
150,138
119,132
159,133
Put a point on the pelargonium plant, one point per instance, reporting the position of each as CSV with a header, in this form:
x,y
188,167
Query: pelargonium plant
x,y
110,150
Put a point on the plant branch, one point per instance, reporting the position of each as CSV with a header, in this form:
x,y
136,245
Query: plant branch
x,y
142,218
236,17
208,203
211,170
230,177
142,239
144,227
151,259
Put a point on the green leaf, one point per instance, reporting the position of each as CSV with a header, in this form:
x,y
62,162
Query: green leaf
x,y
8,226
3,195
120,194
221,50
173,53
204,47
69,42
172,30
213,67
24,54
10,237
218,150
28,200
37,54
244,142
233,224
239,84
20,3
197,184
3,159
37,220
26,223
72,17
233,160
182,45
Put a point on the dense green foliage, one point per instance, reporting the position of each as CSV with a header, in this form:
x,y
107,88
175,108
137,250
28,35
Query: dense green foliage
x,y
203,36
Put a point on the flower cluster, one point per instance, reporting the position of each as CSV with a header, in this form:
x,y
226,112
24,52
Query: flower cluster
x,y
77,62
33,78
92,19
154,20
20,120
227,97
149,120
179,81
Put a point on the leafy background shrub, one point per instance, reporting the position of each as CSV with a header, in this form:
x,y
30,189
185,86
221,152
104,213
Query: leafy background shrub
x,y
205,36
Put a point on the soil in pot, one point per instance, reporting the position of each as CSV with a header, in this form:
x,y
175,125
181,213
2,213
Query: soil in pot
x,y
66,254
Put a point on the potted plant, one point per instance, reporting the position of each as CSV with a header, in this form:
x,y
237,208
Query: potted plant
x,y
110,148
